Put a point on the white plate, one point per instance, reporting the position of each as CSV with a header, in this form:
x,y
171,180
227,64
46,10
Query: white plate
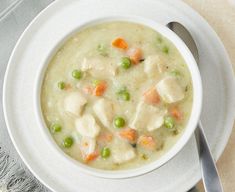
x,y
179,174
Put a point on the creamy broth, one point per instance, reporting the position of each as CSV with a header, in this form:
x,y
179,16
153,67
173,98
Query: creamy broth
x,y
116,96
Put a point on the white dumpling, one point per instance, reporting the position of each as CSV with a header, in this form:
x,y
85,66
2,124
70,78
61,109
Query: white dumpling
x,y
122,151
155,121
74,103
154,64
148,117
87,145
170,90
103,109
87,126
99,67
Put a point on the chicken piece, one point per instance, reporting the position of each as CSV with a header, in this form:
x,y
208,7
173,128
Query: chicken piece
x,y
170,90
122,151
74,103
103,109
153,65
148,117
99,67
87,126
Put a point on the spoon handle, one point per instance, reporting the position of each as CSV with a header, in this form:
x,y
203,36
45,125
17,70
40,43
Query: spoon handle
x,y
209,171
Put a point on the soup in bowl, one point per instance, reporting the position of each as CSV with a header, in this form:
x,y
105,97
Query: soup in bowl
x,y
121,97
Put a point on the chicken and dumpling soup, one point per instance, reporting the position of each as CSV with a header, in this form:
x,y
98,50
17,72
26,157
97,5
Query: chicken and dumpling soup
x,y
116,96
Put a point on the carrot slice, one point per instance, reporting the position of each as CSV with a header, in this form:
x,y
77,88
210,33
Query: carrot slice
x,y
151,96
68,87
135,55
120,43
100,88
91,156
88,89
129,134
147,142
176,113
105,137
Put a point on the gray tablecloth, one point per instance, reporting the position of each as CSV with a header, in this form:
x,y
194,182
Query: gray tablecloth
x,y
15,15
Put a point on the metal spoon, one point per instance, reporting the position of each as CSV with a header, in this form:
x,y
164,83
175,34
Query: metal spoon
x,y
209,171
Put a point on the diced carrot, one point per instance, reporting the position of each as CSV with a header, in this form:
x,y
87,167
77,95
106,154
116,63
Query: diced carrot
x,y
129,134
151,96
147,142
176,113
135,55
91,156
88,89
68,86
120,43
100,88
105,137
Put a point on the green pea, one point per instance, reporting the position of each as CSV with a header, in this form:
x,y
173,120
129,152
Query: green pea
x,y
125,96
102,49
68,142
105,152
95,82
159,39
169,122
126,63
119,122
61,85
165,49
144,156
77,74
56,127
175,73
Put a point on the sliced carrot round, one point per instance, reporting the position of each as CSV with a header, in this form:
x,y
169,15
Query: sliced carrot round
x,y
176,113
88,90
151,96
91,157
135,55
147,142
120,43
129,134
100,89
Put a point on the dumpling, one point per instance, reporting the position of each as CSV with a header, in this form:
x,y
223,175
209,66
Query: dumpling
x,y
99,67
154,64
147,117
122,151
103,109
170,90
87,146
74,103
87,126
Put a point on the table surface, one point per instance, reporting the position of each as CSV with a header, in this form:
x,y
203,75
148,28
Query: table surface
x,y
220,14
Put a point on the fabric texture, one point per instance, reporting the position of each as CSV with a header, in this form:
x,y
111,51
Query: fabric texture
x,y
15,15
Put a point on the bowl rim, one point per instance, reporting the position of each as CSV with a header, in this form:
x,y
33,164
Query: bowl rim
x,y
191,124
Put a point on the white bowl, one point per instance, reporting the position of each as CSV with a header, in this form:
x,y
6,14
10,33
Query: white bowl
x,y
192,122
